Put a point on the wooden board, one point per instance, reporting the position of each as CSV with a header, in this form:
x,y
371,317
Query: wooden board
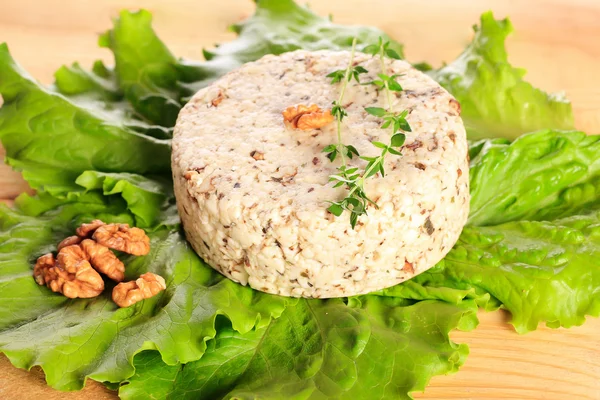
x,y
557,41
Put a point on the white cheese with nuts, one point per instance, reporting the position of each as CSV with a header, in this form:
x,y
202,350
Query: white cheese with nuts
x,y
252,192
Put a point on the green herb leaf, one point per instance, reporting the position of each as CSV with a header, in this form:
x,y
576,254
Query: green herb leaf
x,y
371,49
356,71
373,167
376,111
336,209
423,66
336,76
398,140
352,151
338,111
329,148
394,86
404,125
332,156
379,145
369,159
353,220
392,54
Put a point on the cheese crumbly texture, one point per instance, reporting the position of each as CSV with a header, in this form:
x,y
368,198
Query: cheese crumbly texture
x,y
252,193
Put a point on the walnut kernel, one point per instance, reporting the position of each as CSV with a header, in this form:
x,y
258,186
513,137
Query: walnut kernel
x,y
123,238
257,155
306,117
455,106
42,265
408,267
86,230
70,274
126,294
217,100
69,241
103,260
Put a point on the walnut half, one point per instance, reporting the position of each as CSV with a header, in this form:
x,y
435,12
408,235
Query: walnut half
x,y
69,241
70,274
306,117
123,238
147,285
104,260
86,230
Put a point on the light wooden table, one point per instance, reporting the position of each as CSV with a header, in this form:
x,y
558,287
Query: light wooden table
x,y
558,42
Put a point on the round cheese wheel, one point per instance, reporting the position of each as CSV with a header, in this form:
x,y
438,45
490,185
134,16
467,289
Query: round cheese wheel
x,y
253,191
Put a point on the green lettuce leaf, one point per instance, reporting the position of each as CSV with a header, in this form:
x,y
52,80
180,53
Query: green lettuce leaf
x,y
156,83
150,200
100,82
98,89
495,99
318,349
540,176
52,140
145,68
423,289
538,270
75,339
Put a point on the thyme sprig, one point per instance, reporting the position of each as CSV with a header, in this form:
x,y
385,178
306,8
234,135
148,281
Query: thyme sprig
x,y
357,201
339,112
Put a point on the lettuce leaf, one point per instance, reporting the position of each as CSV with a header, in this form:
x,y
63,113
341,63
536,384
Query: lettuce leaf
x,y
540,176
318,349
151,201
494,98
100,82
100,90
52,140
538,270
145,68
75,339
156,83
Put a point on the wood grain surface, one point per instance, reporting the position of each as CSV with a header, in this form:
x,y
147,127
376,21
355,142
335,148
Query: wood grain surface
x,y
557,41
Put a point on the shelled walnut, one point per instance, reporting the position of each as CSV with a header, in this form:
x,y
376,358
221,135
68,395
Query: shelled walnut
x,y
104,260
75,270
86,230
123,238
306,117
83,232
147,285
71,274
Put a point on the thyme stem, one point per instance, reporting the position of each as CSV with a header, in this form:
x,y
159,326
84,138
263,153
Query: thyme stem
x,y
340,145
